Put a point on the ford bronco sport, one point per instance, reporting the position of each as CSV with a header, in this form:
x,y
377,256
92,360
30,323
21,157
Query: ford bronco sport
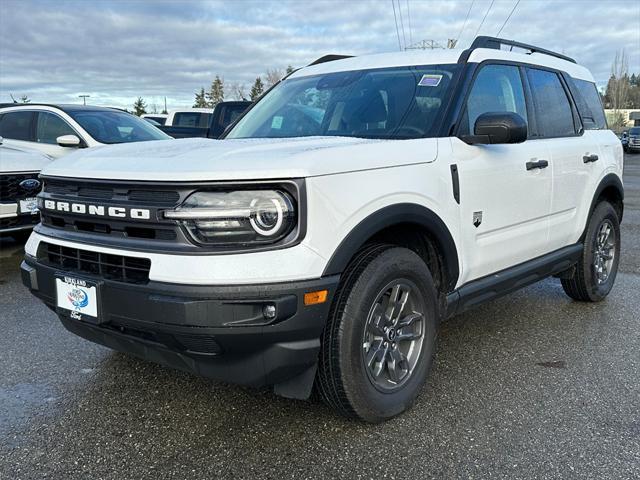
x,y
356,205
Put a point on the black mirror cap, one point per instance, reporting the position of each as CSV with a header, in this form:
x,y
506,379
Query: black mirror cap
x,y
498,128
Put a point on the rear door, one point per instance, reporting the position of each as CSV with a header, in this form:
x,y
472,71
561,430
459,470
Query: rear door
x,y
16,128
560,129
504,207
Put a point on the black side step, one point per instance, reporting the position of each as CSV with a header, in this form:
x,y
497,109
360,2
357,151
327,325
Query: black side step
x,y
511,279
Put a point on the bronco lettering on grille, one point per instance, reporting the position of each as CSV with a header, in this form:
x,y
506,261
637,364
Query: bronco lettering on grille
x,y
98,210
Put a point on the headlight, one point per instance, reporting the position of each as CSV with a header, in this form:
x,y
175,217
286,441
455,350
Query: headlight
x,y
237,218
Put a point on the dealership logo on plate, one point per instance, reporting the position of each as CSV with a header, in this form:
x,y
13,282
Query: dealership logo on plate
x,y
78,298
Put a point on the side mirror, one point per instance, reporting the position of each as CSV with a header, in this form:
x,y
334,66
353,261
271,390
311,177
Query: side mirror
x,y
1,140
68,141
496,128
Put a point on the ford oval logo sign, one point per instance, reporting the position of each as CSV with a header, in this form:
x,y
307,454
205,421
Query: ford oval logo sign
x,y
30,184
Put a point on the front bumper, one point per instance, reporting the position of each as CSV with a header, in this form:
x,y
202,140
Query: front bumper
x,y
215,331
12,221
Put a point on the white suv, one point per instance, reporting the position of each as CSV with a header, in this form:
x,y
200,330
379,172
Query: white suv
x,y
57,130
19,186
357,204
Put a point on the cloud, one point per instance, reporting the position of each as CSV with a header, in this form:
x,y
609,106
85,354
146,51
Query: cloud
x,y
118,50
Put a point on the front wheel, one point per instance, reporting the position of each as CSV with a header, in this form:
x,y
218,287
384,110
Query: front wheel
x,y
598,266
379,341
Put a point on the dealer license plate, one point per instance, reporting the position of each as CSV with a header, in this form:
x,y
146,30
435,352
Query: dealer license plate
x,y
29,205
79,297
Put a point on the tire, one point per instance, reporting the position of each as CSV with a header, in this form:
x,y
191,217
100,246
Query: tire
x,y
589,283
353,336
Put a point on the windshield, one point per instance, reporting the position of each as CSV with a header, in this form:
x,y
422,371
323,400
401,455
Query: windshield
x,y
112,126
634,131
398,102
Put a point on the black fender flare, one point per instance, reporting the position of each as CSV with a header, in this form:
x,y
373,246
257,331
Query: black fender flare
x,y
609,180
395,215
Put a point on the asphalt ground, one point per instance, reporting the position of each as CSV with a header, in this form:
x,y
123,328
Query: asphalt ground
x,y
532,385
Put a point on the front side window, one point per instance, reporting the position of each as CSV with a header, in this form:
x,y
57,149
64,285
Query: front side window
x,y
113,126
16,125
497,88
553,110
591,112
49,127
394,103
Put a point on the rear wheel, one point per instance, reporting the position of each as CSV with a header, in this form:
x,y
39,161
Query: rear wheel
x,y
598,266
379,341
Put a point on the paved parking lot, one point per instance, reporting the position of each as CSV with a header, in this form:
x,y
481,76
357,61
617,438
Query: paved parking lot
x,y
530,386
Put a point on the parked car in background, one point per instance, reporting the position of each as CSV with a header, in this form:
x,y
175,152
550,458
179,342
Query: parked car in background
x,y
56,130
624,140
159,118
203,122
189,117
633,145
19,186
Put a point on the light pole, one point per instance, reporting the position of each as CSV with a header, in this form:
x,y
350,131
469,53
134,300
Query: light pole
x,y
84,98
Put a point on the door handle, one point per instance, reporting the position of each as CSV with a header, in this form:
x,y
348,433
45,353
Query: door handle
x,y
590,158
537,164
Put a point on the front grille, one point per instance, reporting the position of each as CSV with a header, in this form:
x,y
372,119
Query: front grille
x,y
125,193
132,195
111,267
10,189
19,221
108,227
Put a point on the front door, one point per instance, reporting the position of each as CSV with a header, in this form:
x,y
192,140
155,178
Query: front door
x,y
505,190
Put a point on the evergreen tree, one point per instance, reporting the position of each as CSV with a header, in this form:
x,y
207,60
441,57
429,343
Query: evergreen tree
x,y
256,89
634,80
289,70
201,99
139,107
216,94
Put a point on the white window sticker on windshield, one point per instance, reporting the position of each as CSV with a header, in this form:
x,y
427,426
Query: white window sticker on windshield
x,y
430,80
276,122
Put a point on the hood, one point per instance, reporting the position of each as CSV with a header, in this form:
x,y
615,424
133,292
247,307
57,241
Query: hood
x,y
201,159
19,160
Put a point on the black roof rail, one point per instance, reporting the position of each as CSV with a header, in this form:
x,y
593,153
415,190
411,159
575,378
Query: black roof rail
x,y
497,43
329,58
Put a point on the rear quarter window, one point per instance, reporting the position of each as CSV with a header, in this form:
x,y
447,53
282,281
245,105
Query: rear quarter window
x,y
590,105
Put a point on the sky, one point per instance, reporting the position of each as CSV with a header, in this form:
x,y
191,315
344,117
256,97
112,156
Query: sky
x,y
114,51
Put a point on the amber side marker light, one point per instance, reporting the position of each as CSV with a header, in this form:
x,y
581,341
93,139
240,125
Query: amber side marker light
x,y
313,298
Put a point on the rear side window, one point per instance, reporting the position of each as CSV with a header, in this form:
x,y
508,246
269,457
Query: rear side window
x,y
497,88
50,127
16,125
191,119
553,109
591,111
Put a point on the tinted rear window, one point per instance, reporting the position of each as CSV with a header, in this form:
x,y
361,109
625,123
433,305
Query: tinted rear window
x,y
191,119
590,106
553,110
16,125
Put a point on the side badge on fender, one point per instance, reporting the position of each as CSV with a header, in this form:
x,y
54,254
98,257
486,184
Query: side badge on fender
x,y
477,219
